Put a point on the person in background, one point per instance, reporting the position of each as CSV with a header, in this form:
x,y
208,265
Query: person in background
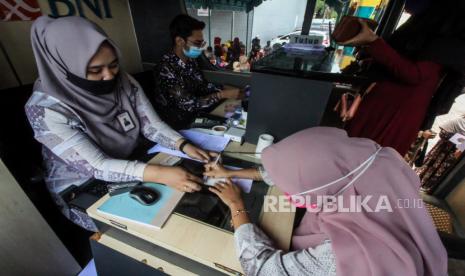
x,y
229,52
210,55
90,115
209,52
236,66
218,52
224,57
267,49
244,65
408,69
181,90
217,41
235,50
442,157
415,155
255,51
321,162
213,60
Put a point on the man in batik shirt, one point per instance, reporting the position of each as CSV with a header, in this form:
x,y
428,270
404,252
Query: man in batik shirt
x,y
182,92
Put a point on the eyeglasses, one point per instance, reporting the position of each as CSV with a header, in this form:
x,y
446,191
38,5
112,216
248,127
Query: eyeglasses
x,y
198,44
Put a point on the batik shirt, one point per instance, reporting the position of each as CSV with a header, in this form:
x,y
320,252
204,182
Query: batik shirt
x,y
182,92
72,158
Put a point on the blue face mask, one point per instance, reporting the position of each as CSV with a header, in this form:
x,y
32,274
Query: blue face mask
x,y
194,52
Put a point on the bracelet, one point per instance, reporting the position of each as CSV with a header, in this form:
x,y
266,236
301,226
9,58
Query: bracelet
x,y
183,144
238,212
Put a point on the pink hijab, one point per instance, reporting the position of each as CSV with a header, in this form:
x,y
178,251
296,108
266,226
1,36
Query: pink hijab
x,y
401,242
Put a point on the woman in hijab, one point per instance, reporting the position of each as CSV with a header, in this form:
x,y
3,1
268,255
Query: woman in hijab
x,y
321,162
407,70
89,114
236,49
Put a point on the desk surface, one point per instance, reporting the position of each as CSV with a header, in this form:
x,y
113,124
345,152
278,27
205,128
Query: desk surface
x,y
201,242
198,241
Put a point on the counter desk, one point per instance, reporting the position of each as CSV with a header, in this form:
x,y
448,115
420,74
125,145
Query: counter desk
x,y
292,89
185,245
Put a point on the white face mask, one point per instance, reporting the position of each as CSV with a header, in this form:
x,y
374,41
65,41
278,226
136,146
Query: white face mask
x,y
362,168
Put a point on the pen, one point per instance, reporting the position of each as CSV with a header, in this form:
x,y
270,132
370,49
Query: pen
x,y
217,159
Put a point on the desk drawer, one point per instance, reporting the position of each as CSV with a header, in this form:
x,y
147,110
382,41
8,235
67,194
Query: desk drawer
x,y
147,260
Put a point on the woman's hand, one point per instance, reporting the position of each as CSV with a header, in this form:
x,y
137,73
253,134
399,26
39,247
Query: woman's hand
x,y
364,37
229,193
457,154
216,171
197,153
175,177
429,134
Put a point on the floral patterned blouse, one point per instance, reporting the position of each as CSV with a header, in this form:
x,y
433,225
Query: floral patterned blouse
x,y
182,91
258,256
72,158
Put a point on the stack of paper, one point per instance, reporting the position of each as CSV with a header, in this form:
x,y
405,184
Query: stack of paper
x,y
202,140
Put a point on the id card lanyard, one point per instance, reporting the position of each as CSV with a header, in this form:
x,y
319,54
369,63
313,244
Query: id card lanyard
x,y
124,119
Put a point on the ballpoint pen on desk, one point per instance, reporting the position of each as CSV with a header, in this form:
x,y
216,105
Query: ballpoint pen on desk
x,y
205,178
217,159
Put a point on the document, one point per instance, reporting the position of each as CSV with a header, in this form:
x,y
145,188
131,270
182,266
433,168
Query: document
x,y
202,140
457,139
244,184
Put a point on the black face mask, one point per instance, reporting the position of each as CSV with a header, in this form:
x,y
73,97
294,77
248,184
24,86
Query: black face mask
x,y
100,87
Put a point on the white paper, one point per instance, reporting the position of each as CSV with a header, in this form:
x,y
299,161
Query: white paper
x,y
243,183
457,139
202,140
461,147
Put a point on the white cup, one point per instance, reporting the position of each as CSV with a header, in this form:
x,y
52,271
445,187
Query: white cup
x,y
264,140
219,130
244,115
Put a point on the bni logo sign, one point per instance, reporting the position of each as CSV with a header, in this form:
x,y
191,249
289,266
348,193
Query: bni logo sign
x,y
19,10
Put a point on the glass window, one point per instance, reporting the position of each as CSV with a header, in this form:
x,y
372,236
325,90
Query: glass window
x,y
239,34
223,26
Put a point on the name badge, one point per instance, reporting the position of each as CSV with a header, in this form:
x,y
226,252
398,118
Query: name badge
x,y
125,121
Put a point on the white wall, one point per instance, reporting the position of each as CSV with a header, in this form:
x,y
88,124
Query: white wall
x,y
15,36
270,19
221,24
277,17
